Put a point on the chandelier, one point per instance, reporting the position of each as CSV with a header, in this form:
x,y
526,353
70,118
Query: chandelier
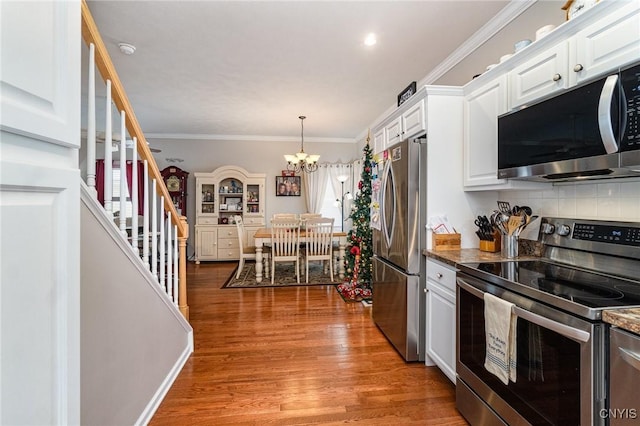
x,y
302,162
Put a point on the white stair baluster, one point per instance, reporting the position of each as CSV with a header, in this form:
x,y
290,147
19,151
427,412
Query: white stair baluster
x,y
108,157
145,217
123,176
154,232
163,260
91,123
175,265
169,258
134,197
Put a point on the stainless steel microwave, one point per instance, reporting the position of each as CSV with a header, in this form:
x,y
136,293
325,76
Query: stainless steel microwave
x,y
589,132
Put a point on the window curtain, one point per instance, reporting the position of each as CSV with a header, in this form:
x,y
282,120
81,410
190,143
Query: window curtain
x,y
100,180
336,170
129,170
356,172
140,183
315,184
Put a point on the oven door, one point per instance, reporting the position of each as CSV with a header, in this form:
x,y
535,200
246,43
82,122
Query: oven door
x,y
560,364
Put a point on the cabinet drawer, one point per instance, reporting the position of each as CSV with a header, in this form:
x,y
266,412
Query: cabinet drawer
x,y
228,243
253,220
229,254
227,232
207,221
441,274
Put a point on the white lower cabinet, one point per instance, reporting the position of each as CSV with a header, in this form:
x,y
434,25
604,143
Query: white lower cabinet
x,y
441,317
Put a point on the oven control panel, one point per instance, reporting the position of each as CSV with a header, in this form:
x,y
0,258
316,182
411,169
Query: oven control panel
x,y
623,235
613,238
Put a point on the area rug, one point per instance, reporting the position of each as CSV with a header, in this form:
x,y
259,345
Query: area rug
x,y
285,276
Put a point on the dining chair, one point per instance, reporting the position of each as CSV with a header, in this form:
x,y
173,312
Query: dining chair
x,y
285,244
249,252
319,243
284,216
305,216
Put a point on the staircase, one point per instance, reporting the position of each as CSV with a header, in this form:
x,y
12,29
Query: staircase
x,y
135,336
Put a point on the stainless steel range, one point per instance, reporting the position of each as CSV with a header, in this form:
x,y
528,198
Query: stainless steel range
x,y
562,343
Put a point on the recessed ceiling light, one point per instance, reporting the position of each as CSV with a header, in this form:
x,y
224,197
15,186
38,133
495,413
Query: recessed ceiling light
x,y
370,39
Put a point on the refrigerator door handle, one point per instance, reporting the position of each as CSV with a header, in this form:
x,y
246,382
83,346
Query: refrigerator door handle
x,y
387,179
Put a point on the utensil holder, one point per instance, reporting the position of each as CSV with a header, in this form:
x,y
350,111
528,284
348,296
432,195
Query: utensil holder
x,y
440,242
510,246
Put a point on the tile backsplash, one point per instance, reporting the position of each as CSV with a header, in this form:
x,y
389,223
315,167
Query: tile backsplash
x,y
610,200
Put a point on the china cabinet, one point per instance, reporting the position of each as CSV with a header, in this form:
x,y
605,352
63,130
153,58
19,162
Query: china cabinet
x,y
220,195
175,180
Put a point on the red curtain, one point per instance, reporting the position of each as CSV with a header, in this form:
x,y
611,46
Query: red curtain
x,y
129,171
100,180
140,183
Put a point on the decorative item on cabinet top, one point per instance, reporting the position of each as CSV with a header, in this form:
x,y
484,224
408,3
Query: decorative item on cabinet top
x,y
574,8
409,91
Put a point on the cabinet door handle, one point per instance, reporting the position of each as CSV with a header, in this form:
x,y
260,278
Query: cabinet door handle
x,y
578,68
439,275
557,77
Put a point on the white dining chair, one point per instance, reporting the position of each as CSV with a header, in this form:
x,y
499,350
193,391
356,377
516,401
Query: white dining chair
x,y
305,216
249,252
285,216
285,244
319,243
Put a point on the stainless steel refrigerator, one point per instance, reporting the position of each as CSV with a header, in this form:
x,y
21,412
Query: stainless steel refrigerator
x,y
399,269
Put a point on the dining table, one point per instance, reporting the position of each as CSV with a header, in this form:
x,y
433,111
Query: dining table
x,y
262,237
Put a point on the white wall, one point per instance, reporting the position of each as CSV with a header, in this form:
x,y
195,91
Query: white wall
x,y
134,342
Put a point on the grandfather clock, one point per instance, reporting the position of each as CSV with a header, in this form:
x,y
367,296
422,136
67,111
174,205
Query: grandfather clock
x,y
176,181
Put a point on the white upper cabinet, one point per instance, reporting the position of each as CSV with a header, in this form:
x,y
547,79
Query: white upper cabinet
x,y
393,132
598,48
379,140
413,119
610,42
541,76
408,120
481,109
597,42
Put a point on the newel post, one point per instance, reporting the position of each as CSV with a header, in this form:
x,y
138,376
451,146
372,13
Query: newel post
x,y
182,279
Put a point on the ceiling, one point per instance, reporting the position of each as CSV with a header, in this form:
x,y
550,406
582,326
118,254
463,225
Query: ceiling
x,y
236,70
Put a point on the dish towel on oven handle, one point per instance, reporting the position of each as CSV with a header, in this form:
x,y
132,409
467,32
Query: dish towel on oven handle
x,y
500,327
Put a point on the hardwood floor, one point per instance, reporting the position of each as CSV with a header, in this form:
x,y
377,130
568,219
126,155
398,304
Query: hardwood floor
x,y
295,355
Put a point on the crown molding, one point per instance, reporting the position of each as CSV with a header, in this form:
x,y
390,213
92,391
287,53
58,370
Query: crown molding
x,y
243,138
510,12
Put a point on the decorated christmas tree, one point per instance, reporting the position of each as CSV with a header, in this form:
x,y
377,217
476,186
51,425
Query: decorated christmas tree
x,y
358,259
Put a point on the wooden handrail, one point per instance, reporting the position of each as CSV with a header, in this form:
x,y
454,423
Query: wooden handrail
x,y
90,34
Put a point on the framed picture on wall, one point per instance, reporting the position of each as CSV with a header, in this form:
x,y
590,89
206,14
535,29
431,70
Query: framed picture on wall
x,y
288,186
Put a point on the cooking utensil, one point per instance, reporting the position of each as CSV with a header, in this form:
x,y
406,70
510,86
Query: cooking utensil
x,y
514,222
504,206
